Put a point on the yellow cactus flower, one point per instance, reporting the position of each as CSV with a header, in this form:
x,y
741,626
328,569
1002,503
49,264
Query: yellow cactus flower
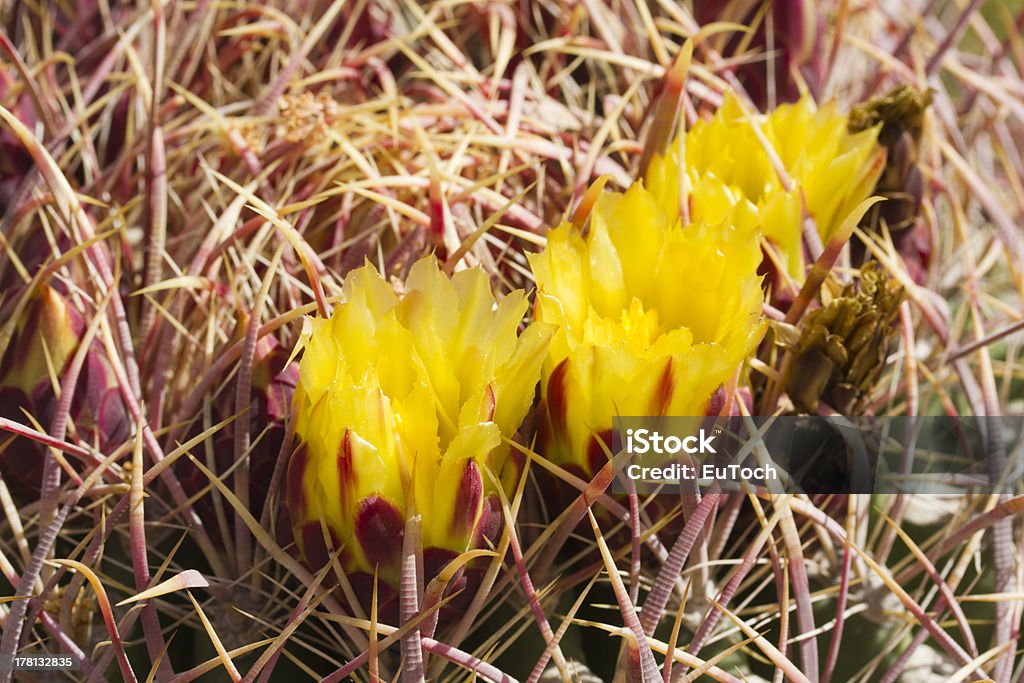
x,y
651,315
403,402
831,169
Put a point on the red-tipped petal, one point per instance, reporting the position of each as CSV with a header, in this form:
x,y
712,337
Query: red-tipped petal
x,y
662,397
346,472
488,528
468,498
490,402
380,528
557,401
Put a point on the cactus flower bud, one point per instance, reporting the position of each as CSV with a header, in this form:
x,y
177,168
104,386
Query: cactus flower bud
x,y
403,403
45,338
652,316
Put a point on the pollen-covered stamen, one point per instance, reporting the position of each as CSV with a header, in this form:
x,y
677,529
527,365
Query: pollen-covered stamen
x,y
642,327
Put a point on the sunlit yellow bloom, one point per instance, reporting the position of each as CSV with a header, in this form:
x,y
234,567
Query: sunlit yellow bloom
x,y
405,400
832,171
651,315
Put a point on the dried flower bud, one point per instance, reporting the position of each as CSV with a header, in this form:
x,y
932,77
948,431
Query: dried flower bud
x,y
900,116
900,112
839,350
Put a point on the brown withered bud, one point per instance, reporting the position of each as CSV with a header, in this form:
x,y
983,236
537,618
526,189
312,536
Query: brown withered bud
x,y
901,116
900,111
839,350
